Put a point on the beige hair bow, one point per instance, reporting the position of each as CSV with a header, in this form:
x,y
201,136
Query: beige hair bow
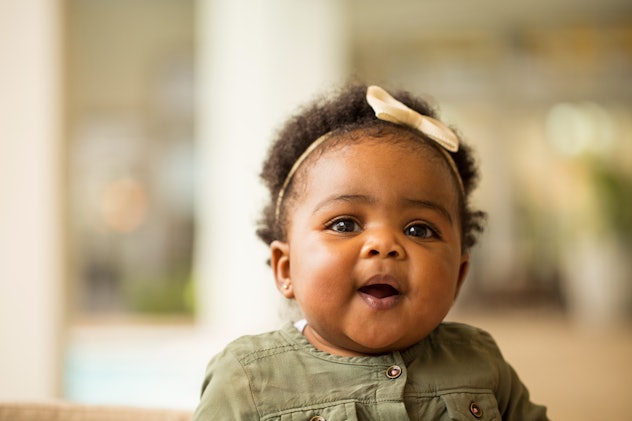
x,y
389,109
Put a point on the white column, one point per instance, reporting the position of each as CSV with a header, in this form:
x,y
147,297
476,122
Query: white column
x,y
30,199
257,61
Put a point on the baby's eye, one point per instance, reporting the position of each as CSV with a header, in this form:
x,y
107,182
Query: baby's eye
x,y
420,231
344,225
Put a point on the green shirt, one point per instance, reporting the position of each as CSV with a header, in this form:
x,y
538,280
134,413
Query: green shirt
x,y
455,373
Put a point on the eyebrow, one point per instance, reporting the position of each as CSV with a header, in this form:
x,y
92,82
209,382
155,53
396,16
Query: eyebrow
x,y
360,198
351,198
428,204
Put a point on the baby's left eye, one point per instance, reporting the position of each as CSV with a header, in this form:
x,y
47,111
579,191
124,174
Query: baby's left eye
x,y
420,231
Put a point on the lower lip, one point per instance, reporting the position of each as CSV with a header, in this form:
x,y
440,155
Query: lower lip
x,y
385,303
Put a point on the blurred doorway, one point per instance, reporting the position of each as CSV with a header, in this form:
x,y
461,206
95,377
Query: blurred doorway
x,y
130,106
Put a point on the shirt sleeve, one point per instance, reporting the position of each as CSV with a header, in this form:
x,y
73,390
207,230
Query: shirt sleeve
x,y
226,392
512,395
514,401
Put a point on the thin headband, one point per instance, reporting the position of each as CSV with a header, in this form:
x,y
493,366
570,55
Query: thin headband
x,y
389,109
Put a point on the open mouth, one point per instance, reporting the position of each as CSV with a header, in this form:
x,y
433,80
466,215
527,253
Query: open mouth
x,y
379,290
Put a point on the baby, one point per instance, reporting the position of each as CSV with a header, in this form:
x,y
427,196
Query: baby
x,y
369,226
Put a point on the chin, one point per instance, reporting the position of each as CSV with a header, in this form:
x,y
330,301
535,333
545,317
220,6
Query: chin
x,y
377,347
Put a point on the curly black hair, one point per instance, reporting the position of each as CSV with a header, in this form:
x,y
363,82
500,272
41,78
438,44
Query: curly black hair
x,y
346,111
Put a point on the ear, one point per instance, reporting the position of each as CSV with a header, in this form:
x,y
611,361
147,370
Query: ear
x,y
464,267
280,263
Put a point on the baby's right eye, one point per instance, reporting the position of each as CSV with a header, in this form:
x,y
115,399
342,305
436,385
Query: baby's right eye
x,y
343,225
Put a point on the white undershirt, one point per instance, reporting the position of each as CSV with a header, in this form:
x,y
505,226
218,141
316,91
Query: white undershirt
x,y
300,325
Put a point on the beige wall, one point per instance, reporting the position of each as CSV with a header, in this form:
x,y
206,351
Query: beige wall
x,y
30,199
251,76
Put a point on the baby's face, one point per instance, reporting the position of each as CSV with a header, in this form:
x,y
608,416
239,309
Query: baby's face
x,y
373,255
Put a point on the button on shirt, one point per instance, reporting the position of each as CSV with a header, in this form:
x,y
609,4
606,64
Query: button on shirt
x,y
457,372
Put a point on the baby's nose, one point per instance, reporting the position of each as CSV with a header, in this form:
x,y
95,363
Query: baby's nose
x,y
383,243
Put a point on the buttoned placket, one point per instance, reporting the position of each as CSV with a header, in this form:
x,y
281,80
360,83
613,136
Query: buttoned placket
x,y
390,389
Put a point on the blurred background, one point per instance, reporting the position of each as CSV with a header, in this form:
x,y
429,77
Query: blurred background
x,y
131,136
